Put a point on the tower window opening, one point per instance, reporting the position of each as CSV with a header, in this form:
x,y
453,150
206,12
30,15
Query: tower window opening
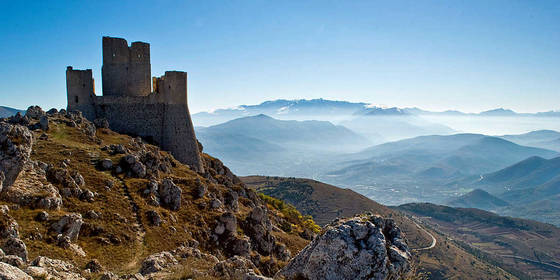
x,y
76,98
83,85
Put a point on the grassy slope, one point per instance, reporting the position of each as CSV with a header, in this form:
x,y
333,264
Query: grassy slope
x,y
325,203
118,221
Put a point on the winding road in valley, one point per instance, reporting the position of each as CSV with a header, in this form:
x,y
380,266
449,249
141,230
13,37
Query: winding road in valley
x,y
434,240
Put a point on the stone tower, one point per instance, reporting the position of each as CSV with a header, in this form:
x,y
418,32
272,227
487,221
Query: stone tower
x,y
160,116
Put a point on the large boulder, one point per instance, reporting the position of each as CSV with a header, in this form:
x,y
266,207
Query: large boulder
x,y
16,142
16,247
46,268
157,262
259,227
363,247
233,268
34,112
69,225
8,272
170,194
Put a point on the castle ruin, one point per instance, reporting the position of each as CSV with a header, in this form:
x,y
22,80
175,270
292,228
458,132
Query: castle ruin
x,y
134,105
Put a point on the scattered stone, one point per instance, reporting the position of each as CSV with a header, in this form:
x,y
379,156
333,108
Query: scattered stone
x,y
108,276
199,190
106,164
34,112
154,218
235,267
44,123
170,194
42,216
54,269
94,266
259,227
355,248
227,224
16,142
92,214
13,260
157,262
87,195
52,112
231,200
215,203
15,246
9,272
253,276
69,225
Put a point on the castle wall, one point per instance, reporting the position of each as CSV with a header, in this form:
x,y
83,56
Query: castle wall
x,y
126,70
80,91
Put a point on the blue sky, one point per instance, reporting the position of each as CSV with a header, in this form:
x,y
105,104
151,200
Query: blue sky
x,y
465,55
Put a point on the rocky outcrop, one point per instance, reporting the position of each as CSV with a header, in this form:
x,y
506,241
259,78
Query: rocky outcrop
x,y
258,227
363,247
16,247
69,226
46,268
169,194
157,262
9,272
233,268
16,142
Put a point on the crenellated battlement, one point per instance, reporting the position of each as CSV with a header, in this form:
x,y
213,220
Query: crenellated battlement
x,y
130,103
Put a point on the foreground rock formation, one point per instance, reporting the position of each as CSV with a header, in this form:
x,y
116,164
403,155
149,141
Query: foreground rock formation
x,y
363,247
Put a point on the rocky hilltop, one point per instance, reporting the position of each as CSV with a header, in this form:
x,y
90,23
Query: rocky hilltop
x,y
79,201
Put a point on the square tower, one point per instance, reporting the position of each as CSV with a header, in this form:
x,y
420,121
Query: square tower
x,y
126,71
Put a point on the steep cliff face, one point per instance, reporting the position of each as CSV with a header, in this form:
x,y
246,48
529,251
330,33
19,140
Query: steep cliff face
x,y
81,201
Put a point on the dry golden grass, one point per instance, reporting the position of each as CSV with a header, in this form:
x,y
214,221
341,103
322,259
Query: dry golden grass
x,y
118,221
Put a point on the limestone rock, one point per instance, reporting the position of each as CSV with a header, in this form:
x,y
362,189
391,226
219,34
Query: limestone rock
x,y
16,142
42,216
44,123
15,246
367,247
52,112
54,269
157,262
226,224
254,276
154,218
258,227
8,272
32,189
170,194
13,260
231,200
34,112
233,268
9,228
200,189
106,164
69,225
94,266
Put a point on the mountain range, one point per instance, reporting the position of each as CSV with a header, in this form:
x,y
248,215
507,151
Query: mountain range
x,y
7,111
530,187
323,109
